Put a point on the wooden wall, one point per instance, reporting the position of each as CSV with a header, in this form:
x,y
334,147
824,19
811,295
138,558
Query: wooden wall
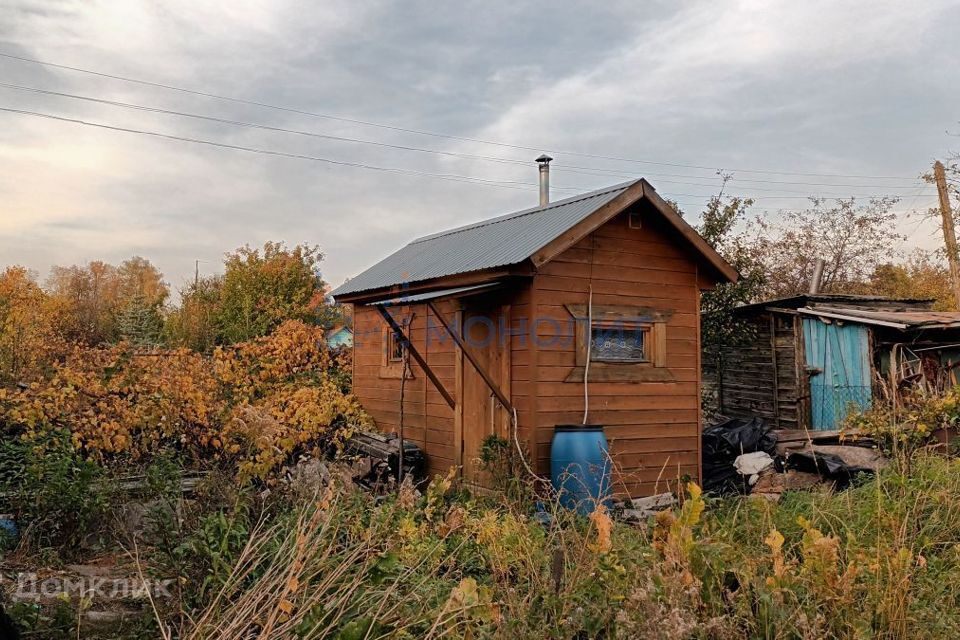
x,y
761,378
791,381
428,420
653,427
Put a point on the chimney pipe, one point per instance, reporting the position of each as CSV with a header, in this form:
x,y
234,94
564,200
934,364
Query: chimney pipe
x,y
544,162
817,278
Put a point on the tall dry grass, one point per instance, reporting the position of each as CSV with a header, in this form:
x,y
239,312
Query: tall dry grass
x,y
881,560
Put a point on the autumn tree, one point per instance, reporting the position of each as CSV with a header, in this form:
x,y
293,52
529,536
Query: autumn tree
x,y
851,238
262,288
31,325
195,323
98,294
88,294
920,276
723,226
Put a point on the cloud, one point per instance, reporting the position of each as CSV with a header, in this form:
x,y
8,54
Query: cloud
x,y
801,86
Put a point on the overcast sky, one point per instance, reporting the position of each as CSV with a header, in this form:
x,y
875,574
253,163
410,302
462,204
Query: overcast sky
x,y
853,88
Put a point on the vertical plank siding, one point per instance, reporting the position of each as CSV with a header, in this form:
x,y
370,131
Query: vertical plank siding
x,y
763,377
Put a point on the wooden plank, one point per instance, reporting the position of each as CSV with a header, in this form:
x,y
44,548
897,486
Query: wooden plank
x,y
559,295
641,275
506,373
621,403
610,286
699,392
632,254
617,389
688,432
615,417
458,411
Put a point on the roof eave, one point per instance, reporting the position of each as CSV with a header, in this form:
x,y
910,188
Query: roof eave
x,y
522,269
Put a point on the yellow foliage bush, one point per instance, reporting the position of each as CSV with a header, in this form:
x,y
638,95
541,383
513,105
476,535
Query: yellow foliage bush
x,y
255,403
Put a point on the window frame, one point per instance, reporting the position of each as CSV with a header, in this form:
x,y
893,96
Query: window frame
x,y
389,366
394,349
644,328
650,320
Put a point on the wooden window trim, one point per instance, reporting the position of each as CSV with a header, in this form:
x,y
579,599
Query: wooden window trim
x,y
654,321
390,368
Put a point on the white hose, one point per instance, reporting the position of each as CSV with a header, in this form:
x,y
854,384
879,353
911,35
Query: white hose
x,y
586,366
516,441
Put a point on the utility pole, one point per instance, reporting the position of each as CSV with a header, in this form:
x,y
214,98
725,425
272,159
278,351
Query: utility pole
x,y
949,234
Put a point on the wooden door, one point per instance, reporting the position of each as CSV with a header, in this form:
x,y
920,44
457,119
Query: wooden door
x,y
838,362
483,414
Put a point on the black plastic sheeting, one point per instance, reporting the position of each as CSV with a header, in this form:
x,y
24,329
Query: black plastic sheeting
x,y
723,442
827,465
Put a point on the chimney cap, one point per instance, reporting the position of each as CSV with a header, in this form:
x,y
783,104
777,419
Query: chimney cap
x,y
544,159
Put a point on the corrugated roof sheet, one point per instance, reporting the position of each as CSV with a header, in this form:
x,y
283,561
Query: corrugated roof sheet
x,y
838,300
497,242
907,319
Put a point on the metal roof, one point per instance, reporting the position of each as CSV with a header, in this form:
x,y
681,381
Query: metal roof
x,y
435,295
838,300
894,319
497,242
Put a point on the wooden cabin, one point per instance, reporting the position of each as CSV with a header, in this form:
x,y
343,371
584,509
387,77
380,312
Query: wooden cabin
x,y
811,359
496,315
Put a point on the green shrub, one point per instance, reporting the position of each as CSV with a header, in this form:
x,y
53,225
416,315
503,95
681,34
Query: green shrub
x,y
57,497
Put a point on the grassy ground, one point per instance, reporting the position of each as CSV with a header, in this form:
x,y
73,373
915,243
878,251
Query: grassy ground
x,y
881,560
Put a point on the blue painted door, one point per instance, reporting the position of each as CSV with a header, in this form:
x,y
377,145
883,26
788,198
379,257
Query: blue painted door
x,y
838,359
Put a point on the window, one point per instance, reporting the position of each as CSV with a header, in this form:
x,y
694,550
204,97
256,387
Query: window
x,y
619,342
626,344
394,348
391,354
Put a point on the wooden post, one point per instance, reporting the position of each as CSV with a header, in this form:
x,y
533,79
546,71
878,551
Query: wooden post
x,y
776,371
949,234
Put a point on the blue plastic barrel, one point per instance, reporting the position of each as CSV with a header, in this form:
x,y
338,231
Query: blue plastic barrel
x,y
9,534
580,466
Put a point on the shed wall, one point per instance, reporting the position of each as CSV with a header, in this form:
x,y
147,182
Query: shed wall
x,y
761,377
428,420
653,427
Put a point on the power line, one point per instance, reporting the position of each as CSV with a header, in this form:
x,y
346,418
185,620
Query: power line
x,y
426,133
252,125
271,152
359,165
739,179
299,156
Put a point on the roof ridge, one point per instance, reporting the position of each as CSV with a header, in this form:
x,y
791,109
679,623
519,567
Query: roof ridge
x,y
525,212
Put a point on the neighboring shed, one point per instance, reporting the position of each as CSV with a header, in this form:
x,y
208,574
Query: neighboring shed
x,y
496,317
340,336
812,358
